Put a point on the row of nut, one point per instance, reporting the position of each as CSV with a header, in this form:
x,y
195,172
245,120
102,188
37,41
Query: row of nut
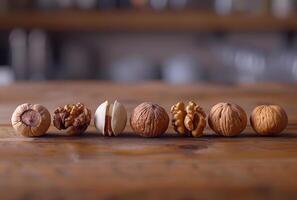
x,y
149,120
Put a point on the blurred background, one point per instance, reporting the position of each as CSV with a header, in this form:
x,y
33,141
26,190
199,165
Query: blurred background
x,y
177,41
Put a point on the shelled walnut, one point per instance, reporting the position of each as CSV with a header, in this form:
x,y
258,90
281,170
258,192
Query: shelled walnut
x,y
189,120
74,118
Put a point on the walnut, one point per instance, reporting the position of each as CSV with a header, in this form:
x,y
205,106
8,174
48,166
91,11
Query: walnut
x,y
189,120
227,119
269,119
149,120
75,118
31,120
178,117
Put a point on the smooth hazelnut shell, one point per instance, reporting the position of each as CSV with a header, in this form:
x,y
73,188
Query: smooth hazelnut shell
x,y
34,124
149,120
268,119
227,119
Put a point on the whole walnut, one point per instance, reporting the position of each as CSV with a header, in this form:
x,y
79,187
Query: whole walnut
x,y
149,120
74,118
227,119
269,119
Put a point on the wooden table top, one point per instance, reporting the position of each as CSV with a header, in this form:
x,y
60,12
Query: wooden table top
x,y
131,167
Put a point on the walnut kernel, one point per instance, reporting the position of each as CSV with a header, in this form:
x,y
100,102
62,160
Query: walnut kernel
x,y
74,118
189,120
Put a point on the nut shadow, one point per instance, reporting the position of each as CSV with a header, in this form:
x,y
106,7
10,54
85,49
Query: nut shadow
x,y
131,135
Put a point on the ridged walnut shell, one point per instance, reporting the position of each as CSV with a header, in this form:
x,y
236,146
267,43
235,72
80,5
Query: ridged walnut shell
x,y
149,120
269,119
227,119
31,120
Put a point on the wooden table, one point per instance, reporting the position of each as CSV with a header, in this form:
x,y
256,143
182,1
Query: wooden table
x,y
131,167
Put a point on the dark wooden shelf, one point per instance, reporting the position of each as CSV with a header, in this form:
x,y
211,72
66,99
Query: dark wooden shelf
x,y
144,21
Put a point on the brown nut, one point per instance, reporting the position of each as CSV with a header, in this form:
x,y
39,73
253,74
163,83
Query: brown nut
x,y
269,119
227,119
74,118
189,120
149,120
31,120
178,116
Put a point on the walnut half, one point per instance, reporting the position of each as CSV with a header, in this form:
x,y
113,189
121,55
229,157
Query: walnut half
x,y
188,120
74,118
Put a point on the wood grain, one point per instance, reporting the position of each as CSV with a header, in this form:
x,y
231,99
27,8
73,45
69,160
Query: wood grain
x,y
129,20
131,167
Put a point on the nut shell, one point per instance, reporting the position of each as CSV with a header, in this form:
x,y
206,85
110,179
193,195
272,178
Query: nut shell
x,y
31,120
269,119
74,118
149,120
118,118
110,119
227,119
100,117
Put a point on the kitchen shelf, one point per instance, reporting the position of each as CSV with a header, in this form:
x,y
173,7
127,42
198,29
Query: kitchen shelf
x,y
133,20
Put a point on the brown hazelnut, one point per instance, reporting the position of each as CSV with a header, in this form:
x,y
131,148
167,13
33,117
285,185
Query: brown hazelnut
x,y
31,120
227,119
269,119
188,120
74,118
149,120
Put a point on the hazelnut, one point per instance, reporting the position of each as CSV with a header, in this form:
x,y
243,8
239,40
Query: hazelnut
x,y
269,119
110,119
149,120
31,120
227,119
189,120
74,118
